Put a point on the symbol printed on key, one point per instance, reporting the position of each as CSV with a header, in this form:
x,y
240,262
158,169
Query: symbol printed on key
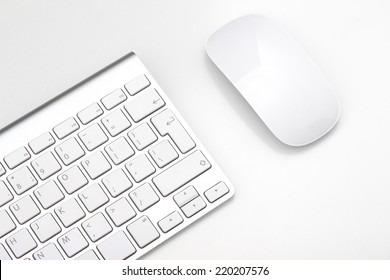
x,y
171,120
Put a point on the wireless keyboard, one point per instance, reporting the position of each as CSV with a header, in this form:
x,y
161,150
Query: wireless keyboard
x,y
108,170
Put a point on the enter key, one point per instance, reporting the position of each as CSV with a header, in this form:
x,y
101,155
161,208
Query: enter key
x,y
167,123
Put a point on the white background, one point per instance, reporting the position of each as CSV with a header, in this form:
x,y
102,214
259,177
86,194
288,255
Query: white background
x,y
278,269
330,200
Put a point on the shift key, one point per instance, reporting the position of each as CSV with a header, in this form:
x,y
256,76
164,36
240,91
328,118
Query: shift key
x,y
181,173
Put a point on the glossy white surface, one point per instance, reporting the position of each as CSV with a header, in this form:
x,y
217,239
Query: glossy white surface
x,y
280,82
328,200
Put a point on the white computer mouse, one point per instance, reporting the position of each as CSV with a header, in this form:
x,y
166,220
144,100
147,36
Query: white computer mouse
x,y
277,78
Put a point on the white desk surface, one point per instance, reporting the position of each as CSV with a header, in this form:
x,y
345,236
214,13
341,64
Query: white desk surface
x,y
330,200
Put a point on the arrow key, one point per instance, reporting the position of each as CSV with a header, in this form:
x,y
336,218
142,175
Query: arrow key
x,y
216,192
170,222
193,207
185,196
97,227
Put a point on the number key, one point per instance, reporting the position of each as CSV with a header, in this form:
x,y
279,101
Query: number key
x,y
22,180
69,151
46,165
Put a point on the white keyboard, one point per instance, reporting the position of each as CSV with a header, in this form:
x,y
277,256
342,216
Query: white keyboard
x,y
109,170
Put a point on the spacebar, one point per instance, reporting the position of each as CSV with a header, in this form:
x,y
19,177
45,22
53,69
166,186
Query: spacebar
x,y
181,173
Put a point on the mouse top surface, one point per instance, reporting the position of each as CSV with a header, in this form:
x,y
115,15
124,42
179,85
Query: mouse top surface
x,y
277,78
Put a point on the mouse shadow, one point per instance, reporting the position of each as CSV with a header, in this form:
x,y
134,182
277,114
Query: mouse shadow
x,y
250,117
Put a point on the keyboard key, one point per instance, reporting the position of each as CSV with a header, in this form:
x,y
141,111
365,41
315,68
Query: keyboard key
x,y
148,102
49,252
119,150
41,143
69,151
193,207
170,222
163,153
143,231
166,123
114,99
72,242
97,227
92,137
22,180
2,170
116,247
140,168
72,179
120,212
4,256
96,165
181,173
144,197
93,197
185,196
90,113
216,192
117,182
116,122
17,157
6,223
49,194
21,243
45,227
88,255
69,212
46,165
5,195
142,136
24,209
66,128
137,84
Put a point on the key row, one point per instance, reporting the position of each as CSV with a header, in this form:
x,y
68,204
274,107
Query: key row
x,y
73,242
116,182
94,111
97,227
120,212
92,137
139,108
87,115
95,165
